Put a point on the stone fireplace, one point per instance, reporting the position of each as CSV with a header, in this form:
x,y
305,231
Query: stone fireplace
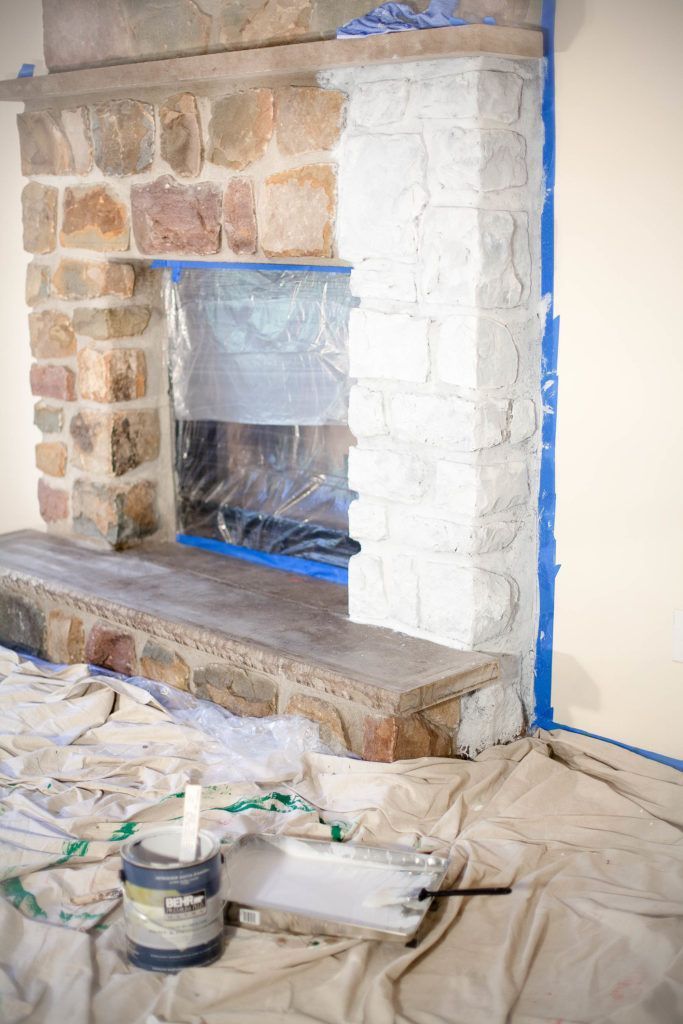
x,y
416,160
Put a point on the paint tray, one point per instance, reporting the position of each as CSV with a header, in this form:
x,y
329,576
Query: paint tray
x,y
311,887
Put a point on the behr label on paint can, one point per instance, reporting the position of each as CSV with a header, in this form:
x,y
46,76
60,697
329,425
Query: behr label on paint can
x,y
173,911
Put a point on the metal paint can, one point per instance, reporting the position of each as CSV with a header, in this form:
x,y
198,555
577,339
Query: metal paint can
x,y
173,911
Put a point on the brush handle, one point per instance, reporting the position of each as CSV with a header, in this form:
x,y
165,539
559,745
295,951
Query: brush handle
x,y
425,894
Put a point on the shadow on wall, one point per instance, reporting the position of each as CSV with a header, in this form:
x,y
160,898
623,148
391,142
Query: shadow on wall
x,y
569,20
585,692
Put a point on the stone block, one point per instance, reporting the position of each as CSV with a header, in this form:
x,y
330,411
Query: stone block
x,y
43,144
523,420
299,211
479,490
242,691
239,217
308,119
437,534
84,279
117,513
445,715
475,257
53,382
39,213
468,159
366,412
240,128
112,443
468,606
386,474
51,458
123,133
22,623
115,322
448,421
37,283
112,648
119,375
165,666
382,194
94,218
332,731
367,520
76,125
470,95
474,352
181,135
65,638
400,574
398,738
52,335
367,592
384,279
379,104
48,418
393,346
172,218
52,503
268,21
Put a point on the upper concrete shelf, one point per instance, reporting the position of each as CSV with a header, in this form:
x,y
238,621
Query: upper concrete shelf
x,y
292,58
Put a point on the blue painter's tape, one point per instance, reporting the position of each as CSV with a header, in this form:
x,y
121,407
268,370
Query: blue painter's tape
x,y
26,71
672,762
287,563
177,266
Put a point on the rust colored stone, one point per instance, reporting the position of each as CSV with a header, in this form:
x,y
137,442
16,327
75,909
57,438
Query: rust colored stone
x,y
53,382
172,218
242,691
119,514
241,127
111,648
299,212
39,210
85,279
48,418
119,375
65,639
112,443
308,119
181,135
123,136
37,283
44,146
53,504
116,322
164,665
51,458
399,738
94,219
332,731
52,335
239,217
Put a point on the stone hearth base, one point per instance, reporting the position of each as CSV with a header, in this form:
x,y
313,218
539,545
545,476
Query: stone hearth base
x,y
255,640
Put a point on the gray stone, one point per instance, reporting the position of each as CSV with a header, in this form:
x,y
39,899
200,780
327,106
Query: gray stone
x,y
123,136
112,443
115,322
43,144
172,218
48,418
22,624
83,279
181,135
37,283
241,127
39,210
120,514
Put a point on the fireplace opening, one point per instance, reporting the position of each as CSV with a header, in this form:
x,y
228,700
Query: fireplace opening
x,y
258,362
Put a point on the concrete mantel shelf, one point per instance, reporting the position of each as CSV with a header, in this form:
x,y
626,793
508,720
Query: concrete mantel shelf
x,y
273,61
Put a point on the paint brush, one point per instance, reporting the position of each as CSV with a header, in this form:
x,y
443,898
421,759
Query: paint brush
x,y
190,827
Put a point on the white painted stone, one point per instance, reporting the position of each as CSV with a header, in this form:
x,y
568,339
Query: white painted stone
x,y
367,595
384,279
523,420
431,534
491,715
467,158
486,95
475,257
366,412
474,352
367,520
470,606
381,195
379,104
401,581
385,474
449,421
479,490
388,345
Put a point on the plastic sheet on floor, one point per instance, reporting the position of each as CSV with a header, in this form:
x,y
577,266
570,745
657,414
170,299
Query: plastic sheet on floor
x,y
589,836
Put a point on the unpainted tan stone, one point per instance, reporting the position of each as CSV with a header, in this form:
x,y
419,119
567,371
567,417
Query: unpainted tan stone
x,y
164,665
308,119
116,322
119,375
398,738
181,135
299,211
112,443
37,283
332,731
49,381
117,513
48,418
239,217
65,638
94,218
43,144
39,211
244,692
52,335
123,134
277,20
86,279
241,127
172,218
445,715
112,648
51,458
53,503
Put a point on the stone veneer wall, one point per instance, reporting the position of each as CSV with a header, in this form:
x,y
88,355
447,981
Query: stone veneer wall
x,y
440,183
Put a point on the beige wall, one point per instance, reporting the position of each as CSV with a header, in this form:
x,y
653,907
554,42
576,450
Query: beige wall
x,y
21,42
619,278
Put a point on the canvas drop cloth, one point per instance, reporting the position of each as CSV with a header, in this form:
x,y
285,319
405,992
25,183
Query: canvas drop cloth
x,y
588,835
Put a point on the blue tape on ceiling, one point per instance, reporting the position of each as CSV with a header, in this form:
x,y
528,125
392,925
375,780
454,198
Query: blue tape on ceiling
x,y
26,71
547,567
287,563
177,266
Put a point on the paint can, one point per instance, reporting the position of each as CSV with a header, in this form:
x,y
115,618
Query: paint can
x,y
173,911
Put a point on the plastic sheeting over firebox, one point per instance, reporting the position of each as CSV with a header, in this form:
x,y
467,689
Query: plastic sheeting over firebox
x,y
259,374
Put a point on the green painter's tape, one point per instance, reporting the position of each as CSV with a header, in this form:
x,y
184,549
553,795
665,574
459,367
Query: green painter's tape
x,y
13,890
